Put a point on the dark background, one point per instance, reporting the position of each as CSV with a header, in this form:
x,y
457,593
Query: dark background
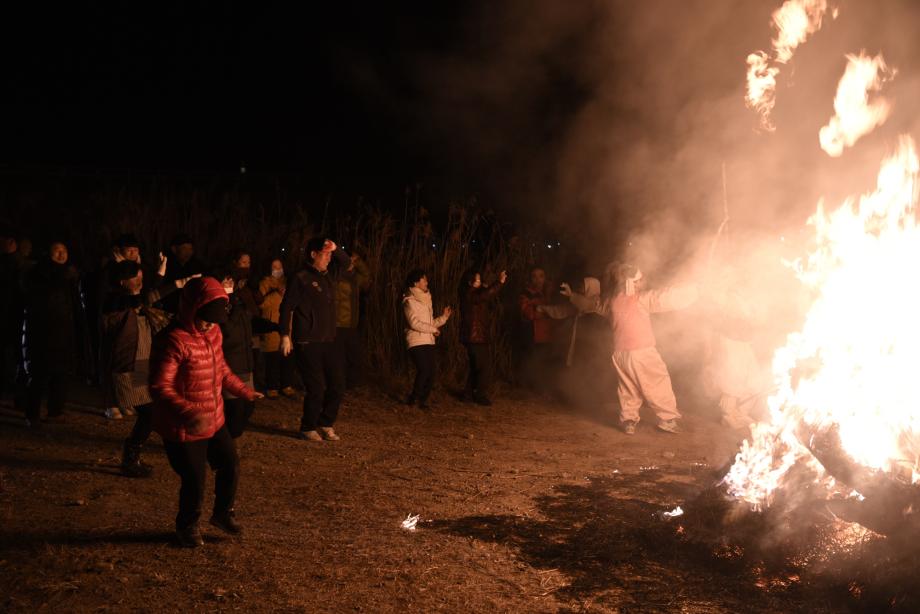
x,y
598,119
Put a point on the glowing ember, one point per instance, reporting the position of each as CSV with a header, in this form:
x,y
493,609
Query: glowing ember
x,y
853,364
673,513
794,21
854,115
410,522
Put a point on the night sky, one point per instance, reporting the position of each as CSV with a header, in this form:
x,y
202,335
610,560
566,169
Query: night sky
x,y
594,112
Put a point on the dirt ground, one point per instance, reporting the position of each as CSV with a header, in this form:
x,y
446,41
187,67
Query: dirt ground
x,y
526,506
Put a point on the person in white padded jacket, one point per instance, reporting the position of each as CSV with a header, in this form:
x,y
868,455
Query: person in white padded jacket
x,y
422,328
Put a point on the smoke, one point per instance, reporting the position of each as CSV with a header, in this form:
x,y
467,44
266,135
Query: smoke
x,y
610,121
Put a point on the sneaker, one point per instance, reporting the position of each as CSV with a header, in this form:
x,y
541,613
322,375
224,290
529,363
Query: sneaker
x,y
128,411
113,413
669,426
190,537
271,394
481,400
289,392
410,400
328,433
309,436
629,427
226,523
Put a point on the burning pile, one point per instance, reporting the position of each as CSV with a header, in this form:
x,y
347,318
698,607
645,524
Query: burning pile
x,y
847,406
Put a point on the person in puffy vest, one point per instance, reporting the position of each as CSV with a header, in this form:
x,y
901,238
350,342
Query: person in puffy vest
x,y
188,376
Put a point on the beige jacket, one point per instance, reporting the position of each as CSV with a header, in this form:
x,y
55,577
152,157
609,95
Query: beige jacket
x,y
421,325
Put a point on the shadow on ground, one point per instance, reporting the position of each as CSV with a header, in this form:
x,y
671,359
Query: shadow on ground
x,y
609,539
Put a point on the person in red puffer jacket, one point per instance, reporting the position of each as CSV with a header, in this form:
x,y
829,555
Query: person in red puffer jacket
x,y
187,375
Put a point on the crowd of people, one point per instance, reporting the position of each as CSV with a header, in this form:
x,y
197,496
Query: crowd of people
x,y
188,348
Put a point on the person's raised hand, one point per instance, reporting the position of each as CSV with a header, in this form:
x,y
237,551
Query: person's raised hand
x,y
447,311
565,289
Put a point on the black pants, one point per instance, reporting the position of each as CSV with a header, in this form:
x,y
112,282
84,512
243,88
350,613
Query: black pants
x,y
39,380
352,353
258,369
425,359
320,368
143,426
190,460
279,370
480,376
237,413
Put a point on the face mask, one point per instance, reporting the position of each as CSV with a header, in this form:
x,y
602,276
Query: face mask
x,y
277,273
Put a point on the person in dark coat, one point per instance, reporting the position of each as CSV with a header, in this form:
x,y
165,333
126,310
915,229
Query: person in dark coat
x,y
476,324
11,306
237,347
308,330
55,338
129,323
182,264
187,377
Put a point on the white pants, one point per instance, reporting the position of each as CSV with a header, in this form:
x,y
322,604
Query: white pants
x,y
643,376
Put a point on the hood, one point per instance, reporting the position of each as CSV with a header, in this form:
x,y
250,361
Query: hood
x,y
419,295
196,293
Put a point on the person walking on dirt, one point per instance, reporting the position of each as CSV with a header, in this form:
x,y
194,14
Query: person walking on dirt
x,y
129,322
308,330
476,332
422,328
641,373
188,375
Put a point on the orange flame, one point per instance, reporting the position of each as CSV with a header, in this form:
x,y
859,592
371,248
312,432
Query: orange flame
x,y
854,115
853,364
794,22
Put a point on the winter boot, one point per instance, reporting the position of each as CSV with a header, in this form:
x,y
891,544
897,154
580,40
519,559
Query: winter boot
x,y
131,464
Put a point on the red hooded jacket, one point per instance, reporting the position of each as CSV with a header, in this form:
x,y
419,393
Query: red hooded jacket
x,y
188,371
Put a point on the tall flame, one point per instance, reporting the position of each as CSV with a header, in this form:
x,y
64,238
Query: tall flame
x,y
854,115
794,22
853,365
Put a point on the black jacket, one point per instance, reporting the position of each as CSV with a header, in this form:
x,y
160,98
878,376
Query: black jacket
x,y
237,332
308,307
55,338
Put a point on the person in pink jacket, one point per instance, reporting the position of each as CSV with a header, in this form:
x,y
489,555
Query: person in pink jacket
x,y
641,373
187,375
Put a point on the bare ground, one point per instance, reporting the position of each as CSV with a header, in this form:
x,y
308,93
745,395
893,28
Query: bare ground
x,y
526,506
